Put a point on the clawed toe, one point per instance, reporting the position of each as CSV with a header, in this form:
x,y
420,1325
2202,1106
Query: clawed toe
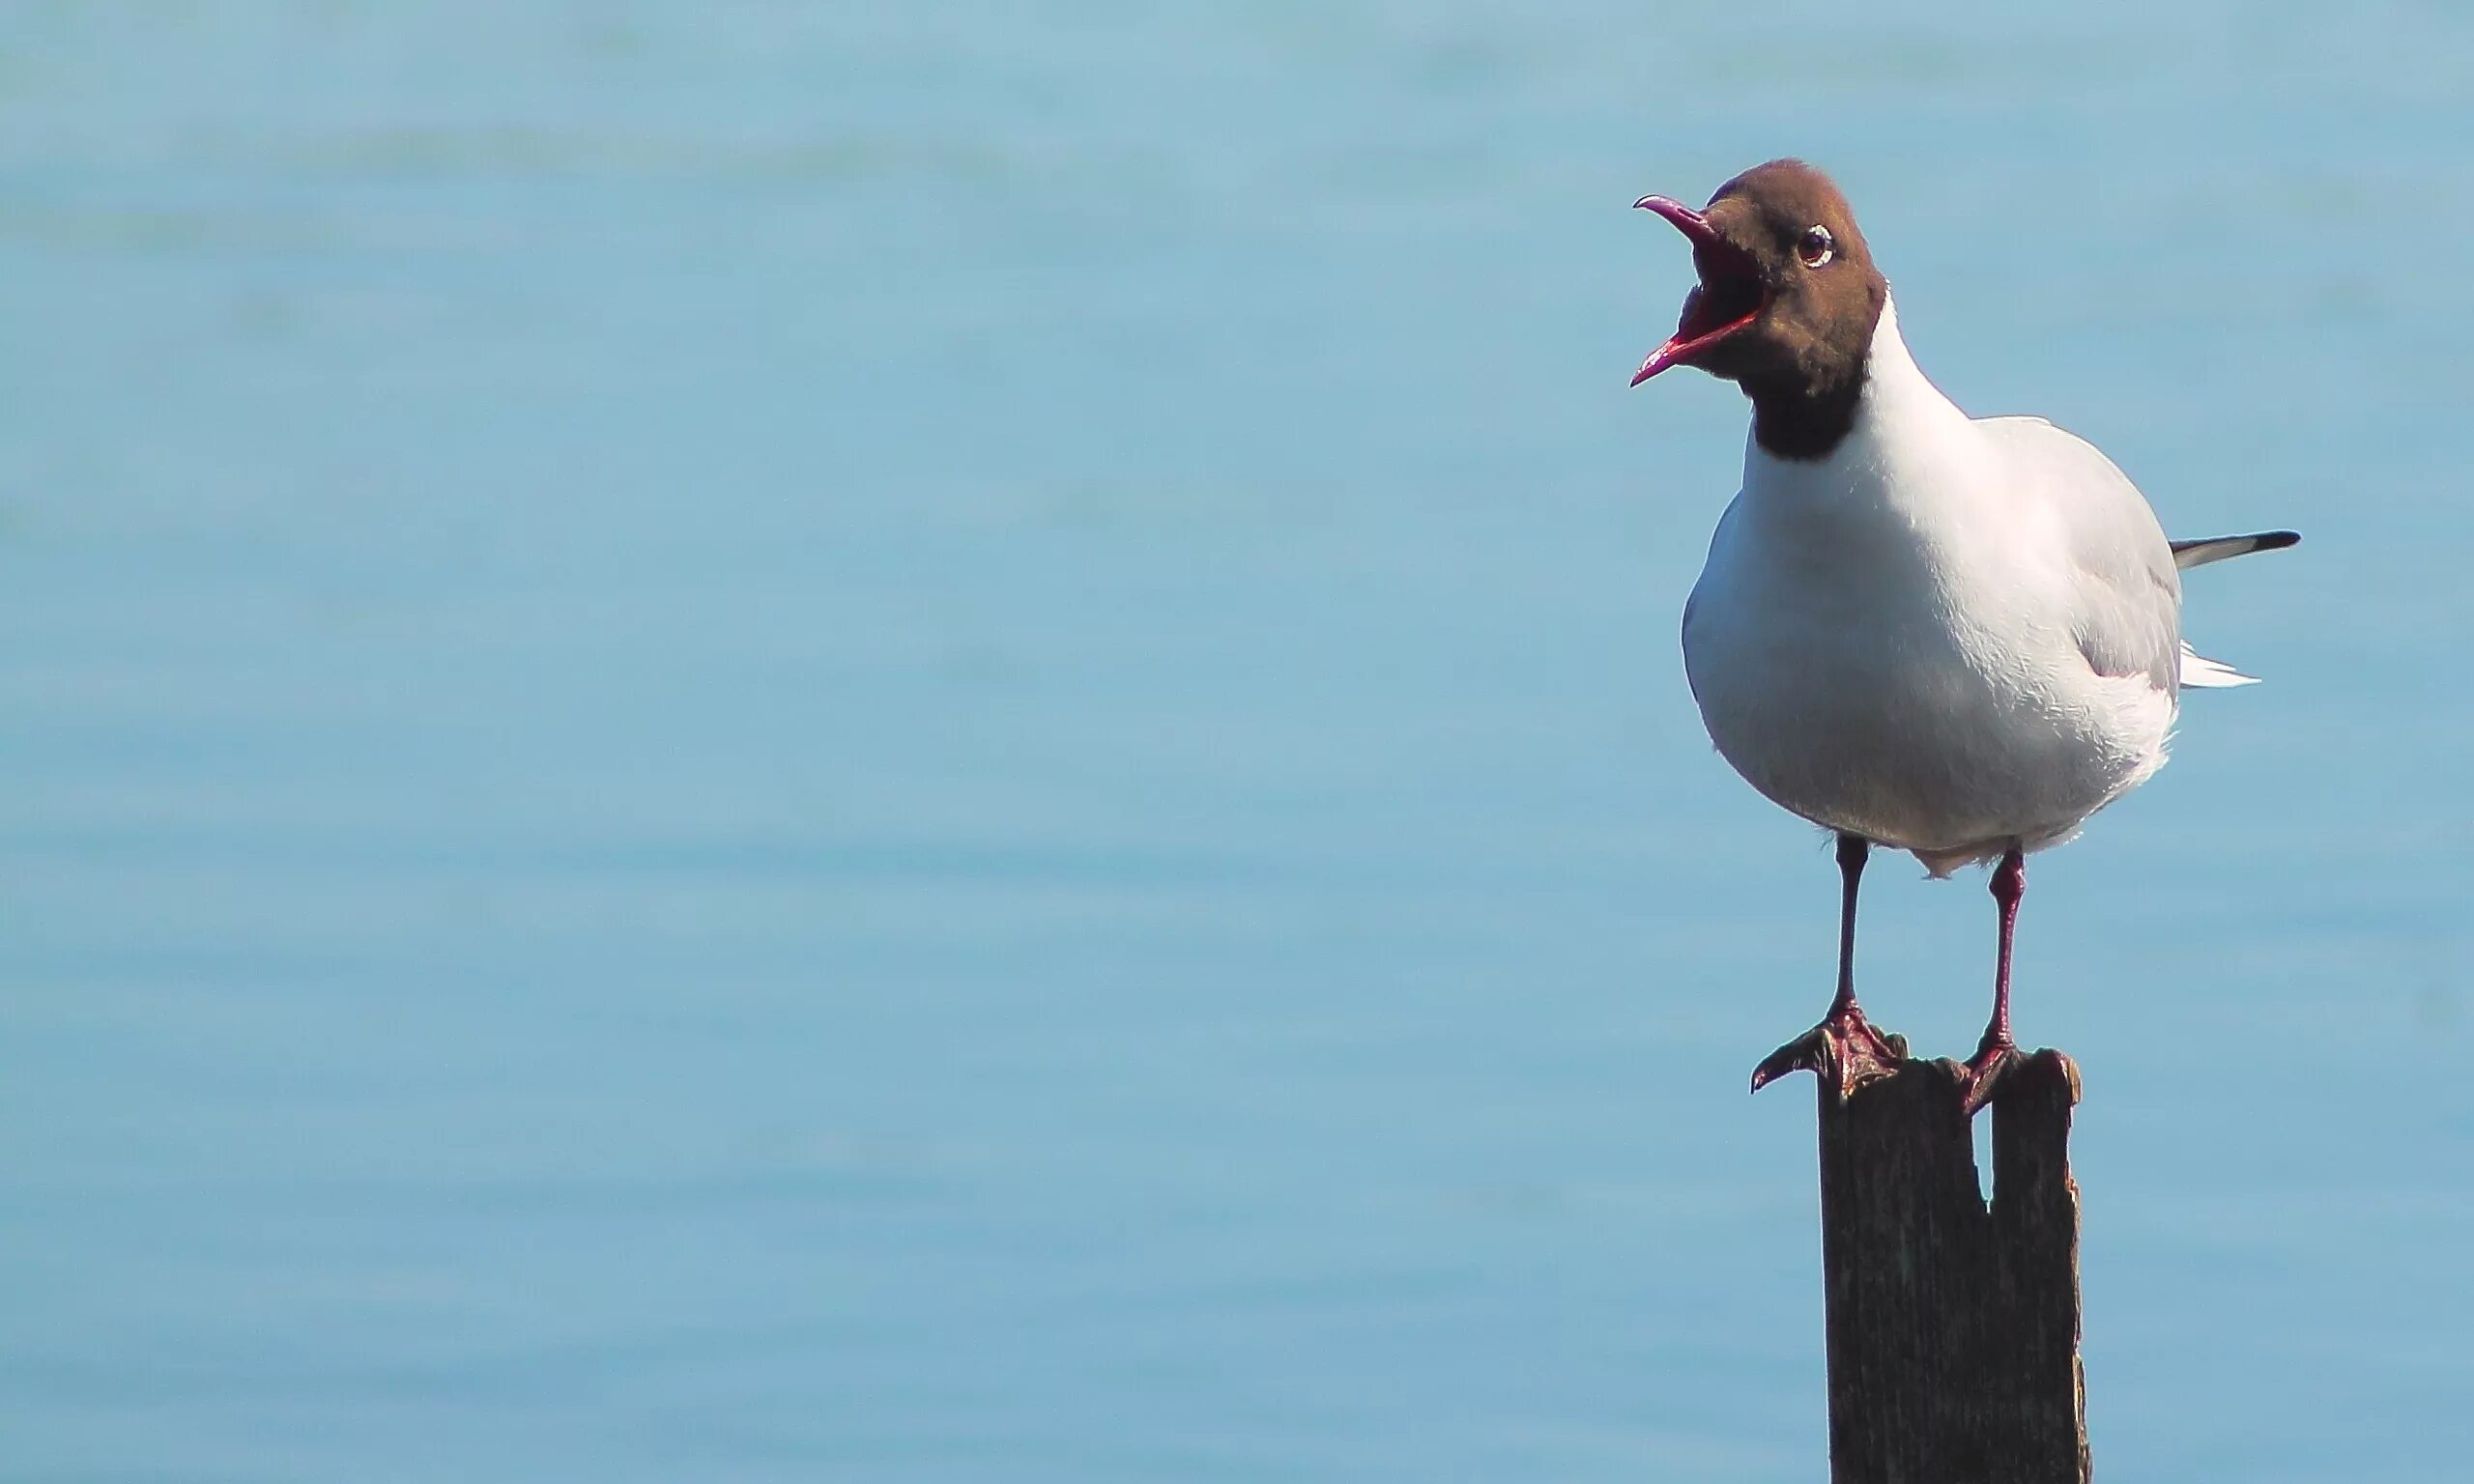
x,y
1981,1072
1845,1051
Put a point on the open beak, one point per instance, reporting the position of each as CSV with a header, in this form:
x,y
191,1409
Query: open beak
x,y
1728,296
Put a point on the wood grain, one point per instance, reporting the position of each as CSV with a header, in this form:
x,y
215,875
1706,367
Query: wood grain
x,y
1953,1329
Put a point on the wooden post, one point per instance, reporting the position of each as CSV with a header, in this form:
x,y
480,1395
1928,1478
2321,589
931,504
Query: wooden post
x,y
1953,1330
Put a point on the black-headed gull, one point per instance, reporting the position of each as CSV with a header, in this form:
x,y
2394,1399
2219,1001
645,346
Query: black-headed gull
x,y
1956,637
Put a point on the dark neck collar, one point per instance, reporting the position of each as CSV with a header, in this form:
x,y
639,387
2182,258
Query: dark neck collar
x,y
1806,407
1807,421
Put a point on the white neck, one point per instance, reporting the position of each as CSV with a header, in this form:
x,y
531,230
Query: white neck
x,y
1894,385
1900,418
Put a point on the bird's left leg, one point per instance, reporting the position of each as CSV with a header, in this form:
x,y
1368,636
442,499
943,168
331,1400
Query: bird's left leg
x,y
1997,1052
1845,1050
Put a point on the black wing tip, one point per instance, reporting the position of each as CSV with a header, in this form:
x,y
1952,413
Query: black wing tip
x,y
2260,541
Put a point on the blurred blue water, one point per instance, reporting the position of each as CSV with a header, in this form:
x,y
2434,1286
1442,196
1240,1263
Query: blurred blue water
x,y
942,742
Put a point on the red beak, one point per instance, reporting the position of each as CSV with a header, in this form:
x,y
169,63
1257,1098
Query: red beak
x,y
1729,296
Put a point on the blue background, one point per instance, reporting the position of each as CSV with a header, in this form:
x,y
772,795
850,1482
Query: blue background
x,y
944,741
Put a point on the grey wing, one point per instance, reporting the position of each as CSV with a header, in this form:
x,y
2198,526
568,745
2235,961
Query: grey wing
x,y
2130,622
2126,608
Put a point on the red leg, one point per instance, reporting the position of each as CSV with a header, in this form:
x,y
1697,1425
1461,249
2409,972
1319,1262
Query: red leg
x,y
1852,852
1997,1050
1845,1047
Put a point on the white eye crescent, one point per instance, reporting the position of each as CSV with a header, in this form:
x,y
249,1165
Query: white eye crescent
x,y
1817,247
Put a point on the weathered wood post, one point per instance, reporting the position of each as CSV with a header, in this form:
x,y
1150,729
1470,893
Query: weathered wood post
x,y
1953,1329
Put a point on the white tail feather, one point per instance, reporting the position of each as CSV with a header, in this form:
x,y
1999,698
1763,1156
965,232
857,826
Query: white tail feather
x,y
2204,673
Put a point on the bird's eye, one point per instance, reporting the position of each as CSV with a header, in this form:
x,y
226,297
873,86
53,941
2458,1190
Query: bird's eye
x,y
1817,247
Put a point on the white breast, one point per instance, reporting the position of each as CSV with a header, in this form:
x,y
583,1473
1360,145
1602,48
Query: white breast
x,y
1896,641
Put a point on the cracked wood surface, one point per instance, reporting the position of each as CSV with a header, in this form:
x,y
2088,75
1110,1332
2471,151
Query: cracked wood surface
x,y
1953,1326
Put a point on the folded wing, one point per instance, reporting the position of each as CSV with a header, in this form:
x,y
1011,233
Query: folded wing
x,y
2207,549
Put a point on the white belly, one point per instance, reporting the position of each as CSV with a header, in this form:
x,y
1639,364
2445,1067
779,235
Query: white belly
x,y
1835,677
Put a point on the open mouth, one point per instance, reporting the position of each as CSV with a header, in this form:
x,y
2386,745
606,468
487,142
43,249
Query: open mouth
x,y
1728,296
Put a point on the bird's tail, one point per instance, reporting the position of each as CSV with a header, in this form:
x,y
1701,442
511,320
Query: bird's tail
x,y
2198,670
2204,673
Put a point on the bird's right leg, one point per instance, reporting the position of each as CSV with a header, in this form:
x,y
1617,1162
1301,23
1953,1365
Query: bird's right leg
x,y
1845,1048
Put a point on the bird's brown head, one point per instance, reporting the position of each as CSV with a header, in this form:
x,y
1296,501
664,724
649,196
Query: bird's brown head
x,y
1787,301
